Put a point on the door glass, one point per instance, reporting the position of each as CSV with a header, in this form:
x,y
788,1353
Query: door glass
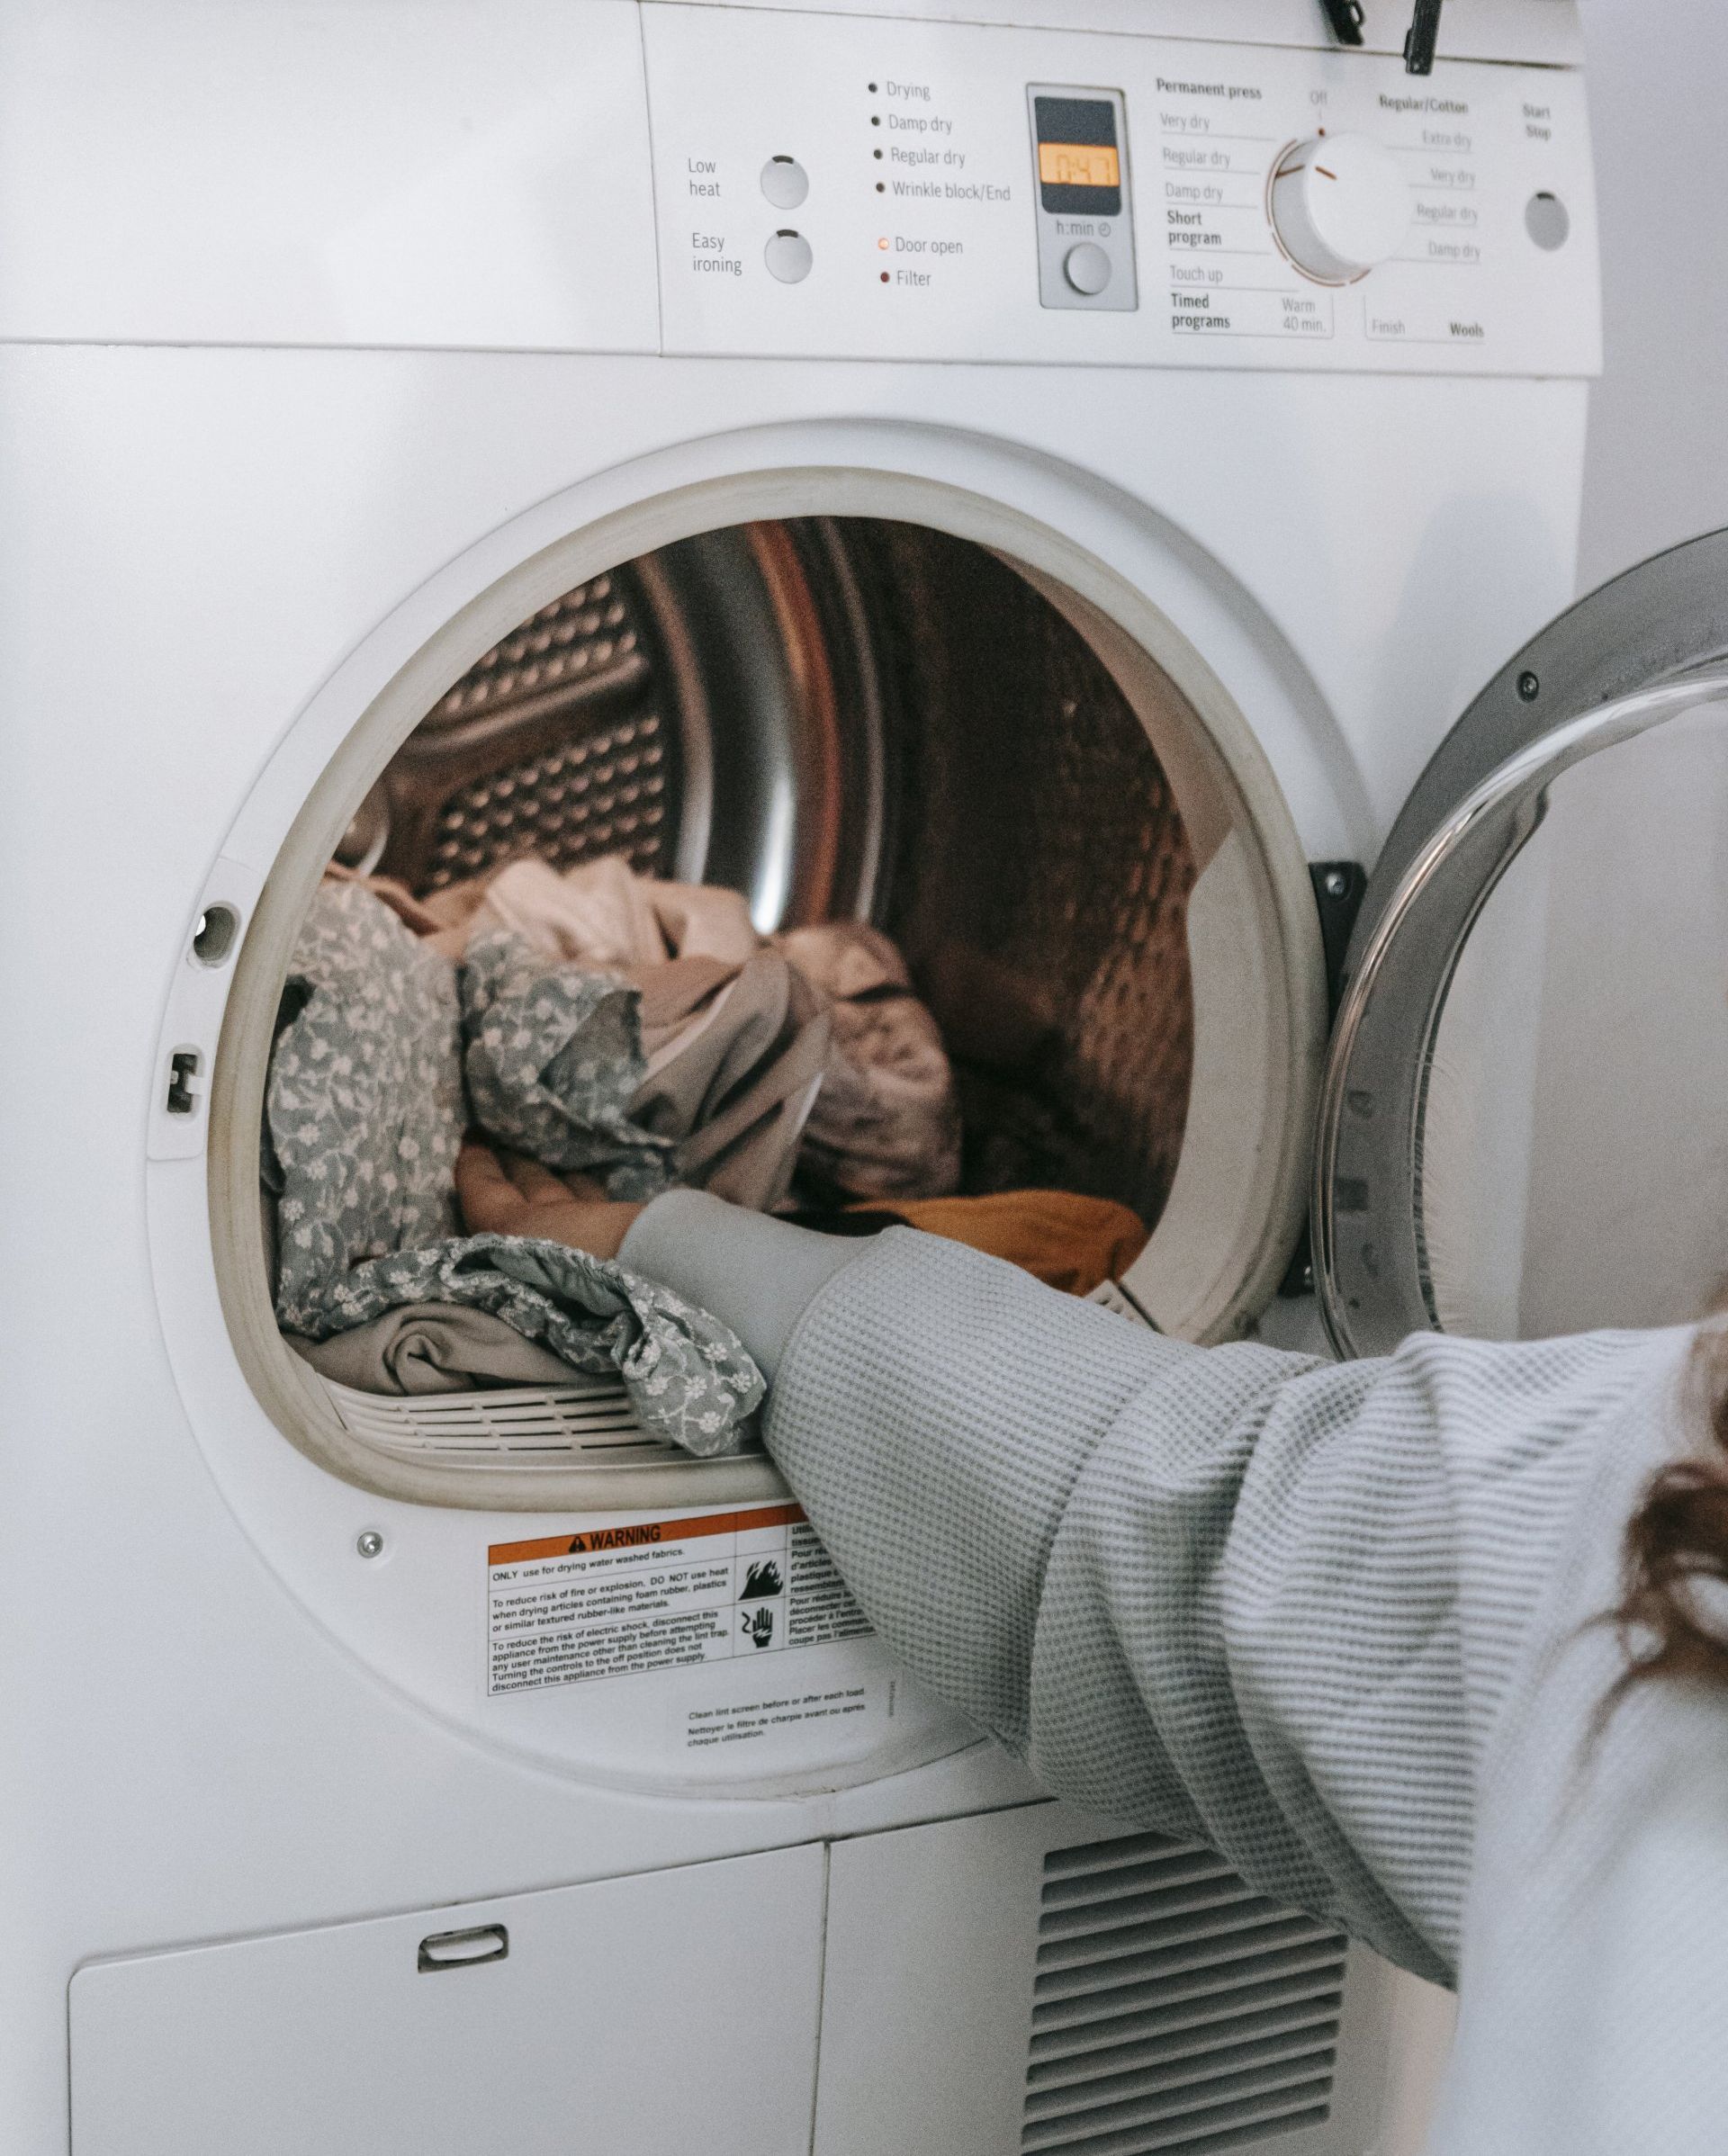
x,y
1574,1143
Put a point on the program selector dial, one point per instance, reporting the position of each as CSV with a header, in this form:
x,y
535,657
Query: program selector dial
x,y
1339,204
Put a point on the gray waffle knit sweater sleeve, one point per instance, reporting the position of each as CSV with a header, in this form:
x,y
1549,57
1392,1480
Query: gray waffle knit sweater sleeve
x,y
1275,1605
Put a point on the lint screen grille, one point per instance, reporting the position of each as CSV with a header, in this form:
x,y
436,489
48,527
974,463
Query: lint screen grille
x,y
1174,2008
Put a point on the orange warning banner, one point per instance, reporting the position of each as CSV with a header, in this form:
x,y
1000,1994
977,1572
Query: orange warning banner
x,y
643,1534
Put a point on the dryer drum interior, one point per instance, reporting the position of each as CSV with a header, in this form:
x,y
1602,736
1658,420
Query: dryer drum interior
x,y
855,720
843,719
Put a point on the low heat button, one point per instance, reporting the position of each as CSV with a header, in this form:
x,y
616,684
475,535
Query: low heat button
x,y
788,257
1086,268
785,183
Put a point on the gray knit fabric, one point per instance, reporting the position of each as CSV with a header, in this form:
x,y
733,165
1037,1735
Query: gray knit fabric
x,y
1335,1621
767,1270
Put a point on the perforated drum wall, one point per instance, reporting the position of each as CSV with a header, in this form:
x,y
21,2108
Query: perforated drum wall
x,y
1040,883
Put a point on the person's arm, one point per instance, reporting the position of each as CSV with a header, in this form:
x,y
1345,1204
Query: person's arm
x,y
1267,1603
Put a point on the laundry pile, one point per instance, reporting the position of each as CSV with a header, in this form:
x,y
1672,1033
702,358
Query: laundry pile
x,y
628,1034
751,1057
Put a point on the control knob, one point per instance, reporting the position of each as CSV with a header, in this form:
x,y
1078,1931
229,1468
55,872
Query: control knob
x,y
1339,204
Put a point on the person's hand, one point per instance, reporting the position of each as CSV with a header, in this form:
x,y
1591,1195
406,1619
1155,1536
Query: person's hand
x,y
503,1194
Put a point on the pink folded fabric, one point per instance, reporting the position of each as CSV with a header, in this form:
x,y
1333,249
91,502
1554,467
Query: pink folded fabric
x,y
887,1123
601,913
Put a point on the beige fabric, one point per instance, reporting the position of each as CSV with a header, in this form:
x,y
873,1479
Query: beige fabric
x,y
601,913
749,1151
735,1079
396,894
598,914
452,910
701,921
676,998
433,1347
887,1123
720,1046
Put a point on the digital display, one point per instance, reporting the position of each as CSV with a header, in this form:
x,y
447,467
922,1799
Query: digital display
x,y
1078,165
1079,158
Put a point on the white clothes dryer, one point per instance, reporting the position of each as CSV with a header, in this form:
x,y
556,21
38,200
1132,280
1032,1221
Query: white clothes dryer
x,y
1047,484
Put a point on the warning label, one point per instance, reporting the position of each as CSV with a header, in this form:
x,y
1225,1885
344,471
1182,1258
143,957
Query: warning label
x,y
646,1594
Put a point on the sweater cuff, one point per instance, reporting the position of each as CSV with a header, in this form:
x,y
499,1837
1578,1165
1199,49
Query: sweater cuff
x,y
753,1273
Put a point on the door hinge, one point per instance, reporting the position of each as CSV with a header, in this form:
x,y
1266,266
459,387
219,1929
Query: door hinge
x,y
1338,886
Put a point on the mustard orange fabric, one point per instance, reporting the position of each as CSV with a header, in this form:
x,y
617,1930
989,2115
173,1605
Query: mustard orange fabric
x,y
1069,1242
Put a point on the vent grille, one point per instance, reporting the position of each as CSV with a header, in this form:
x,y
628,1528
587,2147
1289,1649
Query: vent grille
x,y
1175,2009
589,1423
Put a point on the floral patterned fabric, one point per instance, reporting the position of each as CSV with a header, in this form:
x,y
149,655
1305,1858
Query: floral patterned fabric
x,y
364,1110
554,1058
689,1379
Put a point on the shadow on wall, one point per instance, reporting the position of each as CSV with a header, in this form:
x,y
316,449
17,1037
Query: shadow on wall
x,y
1657,465
1461,618
1575,1148
1628,1205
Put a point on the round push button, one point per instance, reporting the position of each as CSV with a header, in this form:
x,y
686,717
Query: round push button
x,y
788,257
1546,220
1086,268
785,183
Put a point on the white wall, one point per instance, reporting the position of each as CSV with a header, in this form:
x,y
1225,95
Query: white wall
x,y
1658,468
1608,1076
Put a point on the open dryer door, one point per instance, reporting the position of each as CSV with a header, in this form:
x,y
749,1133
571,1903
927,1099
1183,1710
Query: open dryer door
x,y
1646,654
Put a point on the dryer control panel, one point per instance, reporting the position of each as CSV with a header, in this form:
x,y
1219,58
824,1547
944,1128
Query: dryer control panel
x,y
839,187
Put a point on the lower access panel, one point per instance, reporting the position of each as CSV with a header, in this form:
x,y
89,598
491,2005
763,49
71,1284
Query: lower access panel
x,y
673,2011
1038,1981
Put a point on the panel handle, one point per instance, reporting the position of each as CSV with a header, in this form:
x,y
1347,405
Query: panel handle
x,y
465,1949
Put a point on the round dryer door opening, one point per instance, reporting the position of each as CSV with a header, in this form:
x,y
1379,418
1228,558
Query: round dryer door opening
x,y
950,815
940,803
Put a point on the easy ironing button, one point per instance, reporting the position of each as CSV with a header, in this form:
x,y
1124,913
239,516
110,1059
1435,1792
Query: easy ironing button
x,y
788,257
